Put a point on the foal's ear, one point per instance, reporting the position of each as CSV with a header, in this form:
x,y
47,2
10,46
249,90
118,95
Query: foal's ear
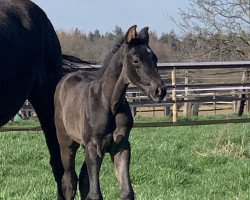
x,y
131,34
144,35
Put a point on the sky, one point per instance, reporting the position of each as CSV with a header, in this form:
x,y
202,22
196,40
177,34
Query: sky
x,y
104,15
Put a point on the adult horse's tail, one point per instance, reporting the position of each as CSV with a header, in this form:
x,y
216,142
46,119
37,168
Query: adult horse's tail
x,y
72,64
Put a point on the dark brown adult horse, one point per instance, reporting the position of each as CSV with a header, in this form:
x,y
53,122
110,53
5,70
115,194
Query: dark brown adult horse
x,y
96,114
30,68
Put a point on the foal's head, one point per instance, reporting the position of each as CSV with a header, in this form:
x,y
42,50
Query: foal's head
x,y
140,64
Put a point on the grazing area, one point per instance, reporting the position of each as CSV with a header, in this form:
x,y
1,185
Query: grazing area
x,y
196,162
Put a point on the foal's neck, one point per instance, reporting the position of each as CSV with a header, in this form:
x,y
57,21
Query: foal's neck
x,y
113,84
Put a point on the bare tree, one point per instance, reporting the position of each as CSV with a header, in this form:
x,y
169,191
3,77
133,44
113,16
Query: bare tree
x,y
222,25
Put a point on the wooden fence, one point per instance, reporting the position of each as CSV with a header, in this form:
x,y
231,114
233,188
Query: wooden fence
x,y
192,84
189,84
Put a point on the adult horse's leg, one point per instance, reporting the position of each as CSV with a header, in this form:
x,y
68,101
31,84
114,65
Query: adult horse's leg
x,y
49,72
93,162
43,104
84,181
42,99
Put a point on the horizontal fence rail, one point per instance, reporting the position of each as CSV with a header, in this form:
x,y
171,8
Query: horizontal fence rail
x,y
232,84
226,87
205,65
147,124
183,65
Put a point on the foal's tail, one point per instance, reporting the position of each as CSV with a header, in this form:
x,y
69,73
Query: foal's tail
x,y
72,64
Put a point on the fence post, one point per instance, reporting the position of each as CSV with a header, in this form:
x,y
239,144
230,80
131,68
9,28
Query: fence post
x,y
187,105
214,103
243,94
134,109
247,78
174,95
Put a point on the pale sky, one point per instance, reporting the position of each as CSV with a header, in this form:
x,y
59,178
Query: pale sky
x,y
104,15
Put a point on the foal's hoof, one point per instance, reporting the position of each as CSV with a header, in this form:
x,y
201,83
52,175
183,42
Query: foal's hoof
x,y
127,195
94,197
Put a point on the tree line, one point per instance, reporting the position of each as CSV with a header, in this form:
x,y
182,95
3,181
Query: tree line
x,y
169,47
217,30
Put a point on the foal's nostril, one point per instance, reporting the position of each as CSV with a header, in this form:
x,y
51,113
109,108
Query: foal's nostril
x,y
158,92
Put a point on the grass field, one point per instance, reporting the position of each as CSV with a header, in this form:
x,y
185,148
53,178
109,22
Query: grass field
x,y
201,162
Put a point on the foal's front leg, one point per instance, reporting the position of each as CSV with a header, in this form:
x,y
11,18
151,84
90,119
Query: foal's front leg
x,y
121,151
121,157
93,162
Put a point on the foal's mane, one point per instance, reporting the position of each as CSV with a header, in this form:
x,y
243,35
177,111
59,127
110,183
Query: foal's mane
x,y
141,38
109,56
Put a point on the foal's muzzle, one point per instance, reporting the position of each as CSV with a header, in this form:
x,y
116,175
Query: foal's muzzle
x,y
159,94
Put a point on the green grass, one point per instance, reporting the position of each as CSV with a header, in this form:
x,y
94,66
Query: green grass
x,y
30,122
200,162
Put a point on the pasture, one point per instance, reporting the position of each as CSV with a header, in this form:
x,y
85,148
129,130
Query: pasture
x,y
196,162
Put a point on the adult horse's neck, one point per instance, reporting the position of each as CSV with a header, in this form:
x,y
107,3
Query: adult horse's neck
x,y
113,83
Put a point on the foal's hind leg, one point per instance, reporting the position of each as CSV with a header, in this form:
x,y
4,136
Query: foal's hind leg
x,y
93,162
84,181
69,179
